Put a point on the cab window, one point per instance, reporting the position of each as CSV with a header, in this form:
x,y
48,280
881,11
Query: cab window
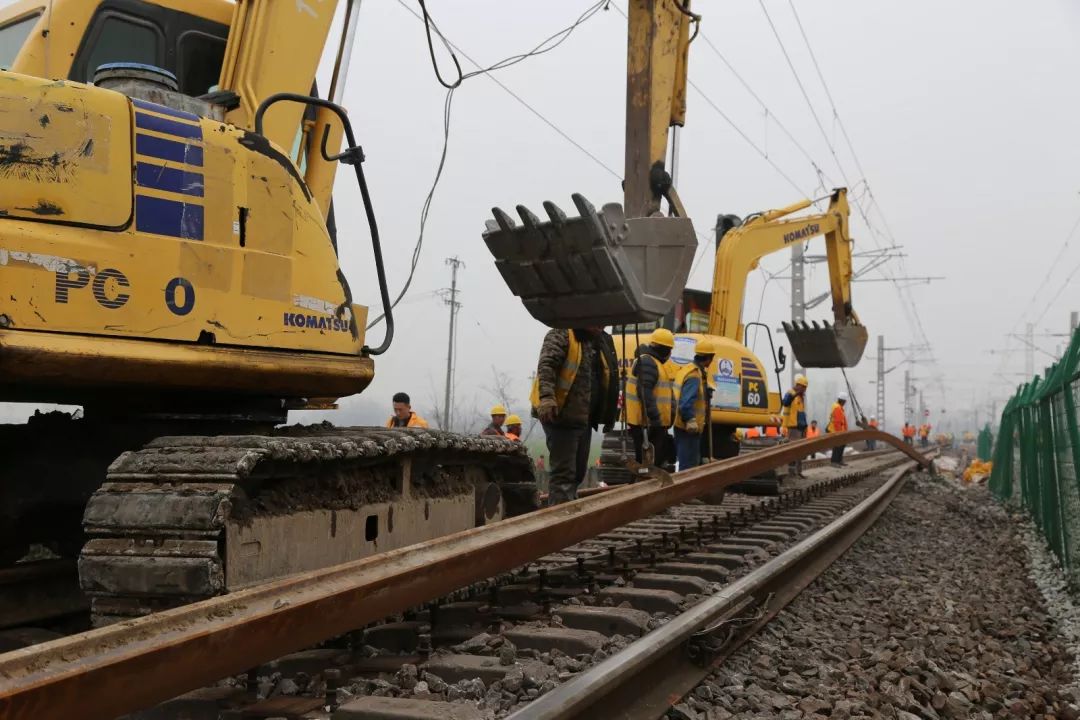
x,y
137,31
12,37
120,38
201,57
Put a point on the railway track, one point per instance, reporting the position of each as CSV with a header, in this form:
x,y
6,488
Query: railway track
x,y
555,606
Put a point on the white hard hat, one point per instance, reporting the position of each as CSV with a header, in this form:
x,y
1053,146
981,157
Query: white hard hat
x,y
842,396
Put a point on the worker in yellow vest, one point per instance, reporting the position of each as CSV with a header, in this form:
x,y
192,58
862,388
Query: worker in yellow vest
x,y
576,390
794,415
692,388
650,397
838,423
924,434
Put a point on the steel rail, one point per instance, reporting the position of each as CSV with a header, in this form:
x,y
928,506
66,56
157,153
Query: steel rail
x,y
134,664
650,675
807,465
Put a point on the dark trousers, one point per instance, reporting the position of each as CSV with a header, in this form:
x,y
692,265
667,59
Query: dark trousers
x,y
568,455
838,454
662,453
909,441
688,449
794,434
871,444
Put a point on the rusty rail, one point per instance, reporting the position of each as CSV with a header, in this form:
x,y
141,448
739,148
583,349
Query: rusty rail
x,y
135,664
650,675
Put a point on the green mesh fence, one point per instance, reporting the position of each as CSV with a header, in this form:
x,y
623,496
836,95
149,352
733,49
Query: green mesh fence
x,y
1035,456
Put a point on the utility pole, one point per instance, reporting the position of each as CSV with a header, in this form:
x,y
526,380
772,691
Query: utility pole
x,y
798,297
922,407
881,382
907,396
450,298
1029,350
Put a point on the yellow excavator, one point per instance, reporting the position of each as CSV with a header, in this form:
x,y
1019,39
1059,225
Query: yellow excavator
x,y
168,254
741,395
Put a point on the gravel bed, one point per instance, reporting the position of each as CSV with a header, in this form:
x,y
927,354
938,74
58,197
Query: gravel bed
x,y
933,614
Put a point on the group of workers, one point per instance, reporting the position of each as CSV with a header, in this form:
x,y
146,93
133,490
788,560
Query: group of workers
x,y
796,426
923,432
404,416
576,392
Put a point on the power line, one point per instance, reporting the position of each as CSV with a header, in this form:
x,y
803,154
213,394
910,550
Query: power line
x,y
768,112
547,45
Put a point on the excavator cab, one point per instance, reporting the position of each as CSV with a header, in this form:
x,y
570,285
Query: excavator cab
x,y
593,270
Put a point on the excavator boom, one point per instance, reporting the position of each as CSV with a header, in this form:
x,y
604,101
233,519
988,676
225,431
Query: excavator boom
x,y
625,264
836,344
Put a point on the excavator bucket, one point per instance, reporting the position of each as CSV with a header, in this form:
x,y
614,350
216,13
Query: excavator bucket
x,y
827,346
597,269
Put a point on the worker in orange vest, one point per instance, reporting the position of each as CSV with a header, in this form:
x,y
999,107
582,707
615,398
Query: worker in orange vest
x,y
837,424
513,428
771,431
909,434
752,433
872,444
403,414
813,431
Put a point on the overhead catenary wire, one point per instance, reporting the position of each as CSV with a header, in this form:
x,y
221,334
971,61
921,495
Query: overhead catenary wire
x,y
908,305
547,45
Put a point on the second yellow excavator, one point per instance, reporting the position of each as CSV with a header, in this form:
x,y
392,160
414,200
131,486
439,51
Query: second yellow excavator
x,y
741,396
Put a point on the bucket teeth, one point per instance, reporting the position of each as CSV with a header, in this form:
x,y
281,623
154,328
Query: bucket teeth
x,y
596,269
505,222
557,216
826,345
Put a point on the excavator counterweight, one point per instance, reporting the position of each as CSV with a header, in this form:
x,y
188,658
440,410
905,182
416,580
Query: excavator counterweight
x,y
597,269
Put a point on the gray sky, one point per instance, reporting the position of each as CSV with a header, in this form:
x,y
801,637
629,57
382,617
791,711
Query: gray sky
x,y
961,115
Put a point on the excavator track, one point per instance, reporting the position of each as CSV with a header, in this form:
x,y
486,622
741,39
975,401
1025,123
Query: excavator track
x,y
186,518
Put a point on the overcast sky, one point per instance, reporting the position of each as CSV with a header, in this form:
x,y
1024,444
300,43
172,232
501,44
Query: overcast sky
x,y
961,116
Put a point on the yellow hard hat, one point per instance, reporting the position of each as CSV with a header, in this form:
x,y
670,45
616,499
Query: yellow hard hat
x,y
705,346
498,410
663,338
513,420
801,380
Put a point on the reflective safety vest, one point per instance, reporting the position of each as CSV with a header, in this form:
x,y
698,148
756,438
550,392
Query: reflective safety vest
x,y
771,431
837,419
924,431
414,421
701,405
873,424
812,432
752,433
567,374
663,393
792,411
909,431
512,436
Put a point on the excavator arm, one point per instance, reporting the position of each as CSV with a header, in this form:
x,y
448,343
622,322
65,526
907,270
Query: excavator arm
x,y
626,263
839,344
